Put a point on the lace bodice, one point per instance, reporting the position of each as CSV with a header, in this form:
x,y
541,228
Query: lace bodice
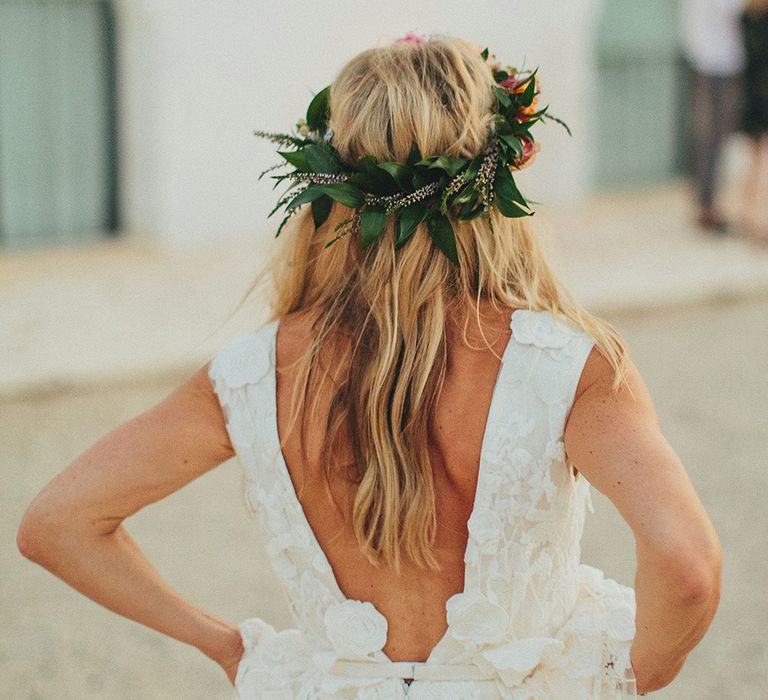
x,y
531,622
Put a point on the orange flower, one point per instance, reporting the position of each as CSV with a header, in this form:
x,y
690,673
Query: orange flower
x,y
531,109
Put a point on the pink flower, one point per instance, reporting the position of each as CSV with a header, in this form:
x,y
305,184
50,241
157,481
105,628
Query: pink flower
x,y
530,150
527,149
510,83
411,38
517,82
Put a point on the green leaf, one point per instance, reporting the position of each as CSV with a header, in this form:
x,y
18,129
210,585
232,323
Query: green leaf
x,y
510,209
500,76
539,114
414,156
371,178
317,112
297,159
308,195
450,165
321,208
410,219
372,222
502,96
467,210
426,162
282,224
484,55
441,231
474,167
514,143
424,176
344,193
529,93
366,164
560,122
503,126
472,214
465,194
508,199
320,160
520,128
504,186
377,182
401,174
284,201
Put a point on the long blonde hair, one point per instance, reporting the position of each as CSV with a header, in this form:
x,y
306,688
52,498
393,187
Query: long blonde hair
x,y
391,305
756,7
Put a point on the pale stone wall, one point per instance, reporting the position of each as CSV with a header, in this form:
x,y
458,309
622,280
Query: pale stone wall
x,y
197,76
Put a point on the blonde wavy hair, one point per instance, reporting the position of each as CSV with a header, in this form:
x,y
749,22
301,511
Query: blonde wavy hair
x,y
391,306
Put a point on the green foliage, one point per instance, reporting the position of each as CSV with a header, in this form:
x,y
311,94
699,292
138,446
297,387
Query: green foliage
x,y
308,195
409,220
417,191
321,209
372,222
400,173
451,166
344,193
320,159
502,96
441,231
298,159
508,199
318,110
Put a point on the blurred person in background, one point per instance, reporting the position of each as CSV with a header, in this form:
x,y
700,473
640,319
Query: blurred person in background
x,y
715,54
754,24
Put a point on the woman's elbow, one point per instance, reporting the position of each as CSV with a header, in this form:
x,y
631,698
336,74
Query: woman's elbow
x,y
31,538
42,531
700,574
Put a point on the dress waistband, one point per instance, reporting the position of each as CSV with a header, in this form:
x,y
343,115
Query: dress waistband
x,y
419,670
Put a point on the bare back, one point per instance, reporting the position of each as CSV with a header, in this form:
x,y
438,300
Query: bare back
x,y
414,601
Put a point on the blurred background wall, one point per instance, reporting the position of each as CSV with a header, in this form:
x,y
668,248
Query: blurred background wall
x,y
136,116
195,82
58,123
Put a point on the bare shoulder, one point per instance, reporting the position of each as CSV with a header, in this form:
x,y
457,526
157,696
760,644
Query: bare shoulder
x,y
601,416
193,408
597,377
615,440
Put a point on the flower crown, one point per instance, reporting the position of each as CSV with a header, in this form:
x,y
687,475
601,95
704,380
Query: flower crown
x,y
421,190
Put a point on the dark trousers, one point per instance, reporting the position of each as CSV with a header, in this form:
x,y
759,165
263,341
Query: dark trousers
x,y
715,109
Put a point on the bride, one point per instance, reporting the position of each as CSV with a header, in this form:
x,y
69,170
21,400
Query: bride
x,y
419,424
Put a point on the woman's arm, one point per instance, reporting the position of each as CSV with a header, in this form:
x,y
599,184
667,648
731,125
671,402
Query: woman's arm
x,y
73,527
616,442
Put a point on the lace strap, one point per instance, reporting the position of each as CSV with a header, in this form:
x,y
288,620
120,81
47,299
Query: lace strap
x,y
239,374
563,351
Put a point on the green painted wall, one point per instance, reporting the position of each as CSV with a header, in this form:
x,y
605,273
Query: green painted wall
x,y
639,111
57,123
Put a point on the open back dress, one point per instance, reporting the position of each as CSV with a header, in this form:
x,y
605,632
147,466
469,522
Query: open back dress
x,y
532,622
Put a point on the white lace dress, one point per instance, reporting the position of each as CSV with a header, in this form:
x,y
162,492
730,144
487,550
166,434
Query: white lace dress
x,y
532,621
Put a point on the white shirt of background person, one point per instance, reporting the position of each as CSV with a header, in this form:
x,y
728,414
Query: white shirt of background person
x,y
712,35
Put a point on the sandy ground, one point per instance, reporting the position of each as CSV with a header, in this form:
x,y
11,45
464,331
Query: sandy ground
x,y
706,367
